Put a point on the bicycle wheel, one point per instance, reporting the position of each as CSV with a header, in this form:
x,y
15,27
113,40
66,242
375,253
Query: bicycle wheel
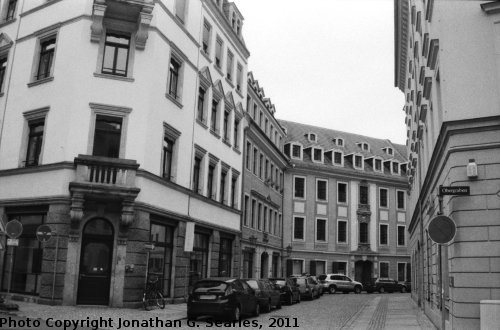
x,y
159,300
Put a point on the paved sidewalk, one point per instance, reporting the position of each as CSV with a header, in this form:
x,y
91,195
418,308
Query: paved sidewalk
x,y
391,313
36,311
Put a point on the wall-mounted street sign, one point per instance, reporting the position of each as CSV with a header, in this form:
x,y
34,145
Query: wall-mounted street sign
x,y
44,233
455,190
12,241
442,229
14,228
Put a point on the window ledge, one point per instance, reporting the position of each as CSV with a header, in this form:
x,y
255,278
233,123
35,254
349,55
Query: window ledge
x,y
206,55
174,100
229,82
4,23
214,133
237,150
219,70
239,93
202,124
41,81
110,76
226,142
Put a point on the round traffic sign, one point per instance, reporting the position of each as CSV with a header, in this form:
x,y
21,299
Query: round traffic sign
x,y
44,233
442,229
14,228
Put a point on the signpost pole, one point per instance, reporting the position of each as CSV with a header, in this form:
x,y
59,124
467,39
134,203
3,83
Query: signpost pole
x,y
55,267
11,267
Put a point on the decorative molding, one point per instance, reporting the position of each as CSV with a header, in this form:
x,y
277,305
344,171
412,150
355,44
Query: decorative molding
x,y
170,131
97,28
36,113
145,17
205,78
110,109
229,101
114,77
218,90
5,42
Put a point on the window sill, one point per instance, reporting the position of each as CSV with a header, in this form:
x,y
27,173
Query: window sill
x,y
174,100
206,55
110,76
229,82
219,70
226,142
239,93
41,81
237,150
202,124
5,23
214,133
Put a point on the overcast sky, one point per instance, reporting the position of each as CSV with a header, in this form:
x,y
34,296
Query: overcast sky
x,y
327,63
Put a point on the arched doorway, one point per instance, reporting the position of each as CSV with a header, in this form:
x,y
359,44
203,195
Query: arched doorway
x,y
363,271
264,265
95,263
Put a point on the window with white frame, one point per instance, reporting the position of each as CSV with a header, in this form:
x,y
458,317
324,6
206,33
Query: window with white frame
x,y
321,190
400,199
207,31
317,155
358,162
383,269
236,133
200,112
342,231
9,10
299,187
363,194
342,193
395,168
338,158
34,136
384,234
401,235
296,151
175,78
246,210
255,160
234,189
239,77
298,228
44,59
311,137
321,230
377,166
218,52
339,142
229,65
169,152
383,198
364,146
401,271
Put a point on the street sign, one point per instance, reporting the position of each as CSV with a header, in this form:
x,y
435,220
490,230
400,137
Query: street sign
x,y
14,228
455,190
12,242
44,233
442,229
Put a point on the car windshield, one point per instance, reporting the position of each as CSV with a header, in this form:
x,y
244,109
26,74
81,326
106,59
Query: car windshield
x,y
253,285
321,277
279,282
301,281
210,286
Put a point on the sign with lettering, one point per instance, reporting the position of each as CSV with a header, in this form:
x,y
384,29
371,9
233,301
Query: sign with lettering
x,y
12,241
455,190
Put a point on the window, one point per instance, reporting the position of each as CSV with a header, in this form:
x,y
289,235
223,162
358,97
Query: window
x,y
199,257
339,142
266,124
247,205
254,213
400,199
383,197
180,9
225,255
312,137
384,239
46,58
218,52
363,195
317,155
383,269
358,161
337,158
107,136
266,169
321,190
339,267
259,216
341,231
395,168
234,192
239,77
168,147
206,37
116,53
363,232
341,192
261,165
298,228
201,105
296,151
174,78
378,165
160,260
226,126
299,187
401,271
247,155
236,132
321,230
211,187
229,67
3,70
222,188
401,235
265,224
35,140
213,117
255,159
196,174
11,10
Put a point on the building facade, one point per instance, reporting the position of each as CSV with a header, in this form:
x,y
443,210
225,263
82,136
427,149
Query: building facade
x,y
344,204
447,66
138,142
263,168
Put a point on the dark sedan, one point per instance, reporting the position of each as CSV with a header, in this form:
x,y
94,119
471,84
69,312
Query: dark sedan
x,y
267,294
384,285
289,291
222,298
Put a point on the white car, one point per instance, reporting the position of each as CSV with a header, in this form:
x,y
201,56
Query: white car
x,y
339,282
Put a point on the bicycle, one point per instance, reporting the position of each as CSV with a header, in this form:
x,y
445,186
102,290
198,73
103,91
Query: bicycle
x,y
152,296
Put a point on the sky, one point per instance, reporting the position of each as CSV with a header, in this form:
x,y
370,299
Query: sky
x,y
327,63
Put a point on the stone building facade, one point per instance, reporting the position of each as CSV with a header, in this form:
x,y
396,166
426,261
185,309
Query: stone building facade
x,y
447,66
344,204
121,125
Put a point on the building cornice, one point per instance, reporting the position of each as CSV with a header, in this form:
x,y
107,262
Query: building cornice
x,y
491,7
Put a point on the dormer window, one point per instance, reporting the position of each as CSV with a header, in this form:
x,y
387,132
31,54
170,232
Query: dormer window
x,y
338,158
339,142
296,151
388,151
311,137
317,155
377,165
358,162
364,146
395,168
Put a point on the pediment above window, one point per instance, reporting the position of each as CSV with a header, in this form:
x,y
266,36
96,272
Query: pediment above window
x,y
205,78
218,90
5,42
229,101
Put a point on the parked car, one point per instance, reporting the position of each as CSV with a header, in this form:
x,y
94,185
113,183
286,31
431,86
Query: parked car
x,y
307,286
289,291
319,286
384,285
339,282
407,285
267,294
222,298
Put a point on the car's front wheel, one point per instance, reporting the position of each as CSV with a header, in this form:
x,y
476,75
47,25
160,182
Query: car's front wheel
x,y
332,289
357,289
403,289
381,289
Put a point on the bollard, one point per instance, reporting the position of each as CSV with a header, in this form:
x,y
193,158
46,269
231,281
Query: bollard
x,y
489,314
